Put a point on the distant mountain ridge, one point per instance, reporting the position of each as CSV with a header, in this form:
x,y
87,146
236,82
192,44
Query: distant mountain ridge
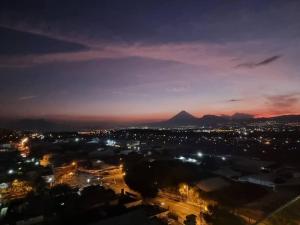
x,y
182,119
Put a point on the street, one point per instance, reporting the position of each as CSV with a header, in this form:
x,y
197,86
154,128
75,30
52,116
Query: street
x,y
114,178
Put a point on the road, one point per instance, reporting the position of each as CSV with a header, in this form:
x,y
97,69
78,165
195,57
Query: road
x,y
114,179
111,177
180,207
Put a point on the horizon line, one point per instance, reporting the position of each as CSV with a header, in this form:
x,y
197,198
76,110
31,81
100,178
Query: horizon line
x,y
129,118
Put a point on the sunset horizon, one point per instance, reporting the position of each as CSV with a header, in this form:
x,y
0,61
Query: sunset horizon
x,y
148,118
147,61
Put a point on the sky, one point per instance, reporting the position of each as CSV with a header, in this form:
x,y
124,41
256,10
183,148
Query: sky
x,y
147,60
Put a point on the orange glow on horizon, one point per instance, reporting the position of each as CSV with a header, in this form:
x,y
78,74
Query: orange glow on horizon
x,y
154,117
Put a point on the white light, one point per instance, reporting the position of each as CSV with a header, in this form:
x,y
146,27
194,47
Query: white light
x,y
191,160
182,158
223,158
3,185
10,172
199,154
110,142
88,180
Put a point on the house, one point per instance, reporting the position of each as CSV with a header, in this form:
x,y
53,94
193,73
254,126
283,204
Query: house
x,y
260,179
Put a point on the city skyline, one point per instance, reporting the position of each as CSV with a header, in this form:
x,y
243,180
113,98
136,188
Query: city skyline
x,y
142,61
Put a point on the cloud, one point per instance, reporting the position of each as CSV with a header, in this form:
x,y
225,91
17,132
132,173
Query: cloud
x,y
177,89
26,43
283,101
211,56
196,54
235,100
268,60
28,97
260,63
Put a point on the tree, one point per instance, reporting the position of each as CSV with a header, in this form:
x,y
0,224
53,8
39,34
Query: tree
x,y
173,216
220,216
190,220
40,185
61,189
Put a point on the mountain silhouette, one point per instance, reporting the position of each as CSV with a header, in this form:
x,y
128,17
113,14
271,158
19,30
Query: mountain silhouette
x,y
183,118
186,119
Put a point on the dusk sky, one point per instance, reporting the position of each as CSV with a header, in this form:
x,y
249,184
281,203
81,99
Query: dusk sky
x,y
147,60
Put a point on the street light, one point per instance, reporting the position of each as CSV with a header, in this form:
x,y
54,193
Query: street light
x,y
24,141
186,187
199,154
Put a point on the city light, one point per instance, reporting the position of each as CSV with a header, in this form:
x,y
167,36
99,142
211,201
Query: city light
x,y
3,185
110,142
189,160
24,141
